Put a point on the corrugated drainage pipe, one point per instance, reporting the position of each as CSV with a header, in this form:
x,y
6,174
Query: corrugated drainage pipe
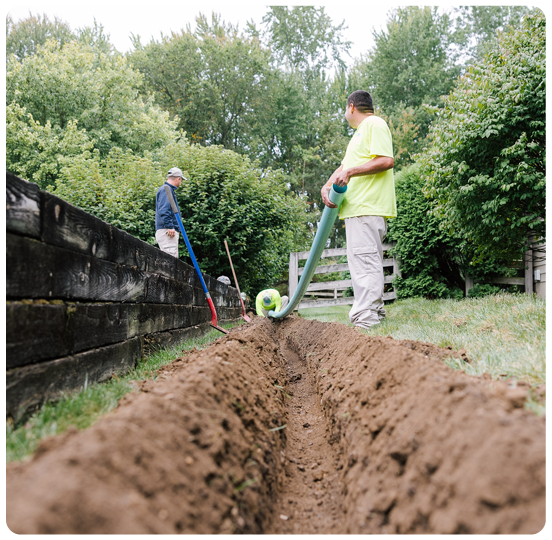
x,y
337,194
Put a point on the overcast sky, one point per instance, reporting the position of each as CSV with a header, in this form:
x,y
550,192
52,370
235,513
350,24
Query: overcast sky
x,y
149,21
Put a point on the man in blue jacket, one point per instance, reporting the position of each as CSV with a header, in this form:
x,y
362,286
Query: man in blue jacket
x,y
166,225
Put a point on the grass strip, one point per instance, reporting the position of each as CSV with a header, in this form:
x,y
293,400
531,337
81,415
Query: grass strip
x,y
84,407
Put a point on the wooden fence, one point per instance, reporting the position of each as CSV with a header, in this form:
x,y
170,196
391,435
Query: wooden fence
x,y
333,290
534,279
85,300
533,268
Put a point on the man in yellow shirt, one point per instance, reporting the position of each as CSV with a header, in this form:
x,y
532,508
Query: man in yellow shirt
x,y
367,171
269,299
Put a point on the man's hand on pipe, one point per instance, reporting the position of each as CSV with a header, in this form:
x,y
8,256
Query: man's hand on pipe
x,y
325,192
341,178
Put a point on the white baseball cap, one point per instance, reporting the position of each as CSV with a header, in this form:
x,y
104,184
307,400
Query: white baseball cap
x,y
175,171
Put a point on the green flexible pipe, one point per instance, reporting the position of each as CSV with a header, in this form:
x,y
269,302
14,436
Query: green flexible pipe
x,y
337,194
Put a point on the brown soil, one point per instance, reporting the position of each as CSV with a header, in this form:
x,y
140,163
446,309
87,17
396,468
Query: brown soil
x,y
295,427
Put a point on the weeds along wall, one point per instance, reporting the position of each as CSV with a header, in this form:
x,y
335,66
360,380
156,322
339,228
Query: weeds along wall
x,y
86,300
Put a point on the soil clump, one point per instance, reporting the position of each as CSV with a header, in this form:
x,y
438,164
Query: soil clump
x,y
297,427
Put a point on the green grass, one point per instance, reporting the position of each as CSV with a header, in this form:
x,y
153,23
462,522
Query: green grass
x,y
84,407
503,335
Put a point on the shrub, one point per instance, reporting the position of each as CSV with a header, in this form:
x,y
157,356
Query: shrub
x,y
228,196
37,152
480,290
428,255
78,84
225,196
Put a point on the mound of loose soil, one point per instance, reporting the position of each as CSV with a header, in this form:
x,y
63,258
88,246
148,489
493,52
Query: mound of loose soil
x,y
295,427
183,455
424,448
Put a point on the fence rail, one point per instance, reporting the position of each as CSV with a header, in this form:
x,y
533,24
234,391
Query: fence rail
x,y
534,279
534,276
333,289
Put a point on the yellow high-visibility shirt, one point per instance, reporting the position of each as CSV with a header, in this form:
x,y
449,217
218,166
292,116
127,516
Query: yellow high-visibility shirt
x,y
276,303
373,194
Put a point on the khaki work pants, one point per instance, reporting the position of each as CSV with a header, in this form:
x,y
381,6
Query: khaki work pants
x,y
166,243
365,257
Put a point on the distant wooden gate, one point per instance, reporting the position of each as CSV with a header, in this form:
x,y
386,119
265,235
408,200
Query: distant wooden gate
x,y
333,290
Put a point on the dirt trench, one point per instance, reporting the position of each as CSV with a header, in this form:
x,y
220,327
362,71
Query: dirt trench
x,y
295,427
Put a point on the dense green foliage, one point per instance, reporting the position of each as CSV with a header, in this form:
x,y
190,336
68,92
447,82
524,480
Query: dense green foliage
x,y
417,59
411,66
485,165
262,92
214,79
78,125
225,197
120,189
428,255
37,152
265,107
434,263
229,197
24,37
479,290
100,92
422,36
479,24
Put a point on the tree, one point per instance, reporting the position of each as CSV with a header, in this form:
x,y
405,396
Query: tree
x,y
214,79
485,166
255,93
304,39
481,23
95,37
308,132
25,36
412,64
37,152
81,124
81,86
118,188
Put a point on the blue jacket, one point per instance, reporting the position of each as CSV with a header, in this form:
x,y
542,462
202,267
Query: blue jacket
x,y
164,216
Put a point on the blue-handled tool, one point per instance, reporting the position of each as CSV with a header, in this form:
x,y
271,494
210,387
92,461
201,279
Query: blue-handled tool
x,y
169,193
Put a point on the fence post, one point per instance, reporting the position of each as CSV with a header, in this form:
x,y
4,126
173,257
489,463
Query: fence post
x,y
469,284
293,274
529,267
396,270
